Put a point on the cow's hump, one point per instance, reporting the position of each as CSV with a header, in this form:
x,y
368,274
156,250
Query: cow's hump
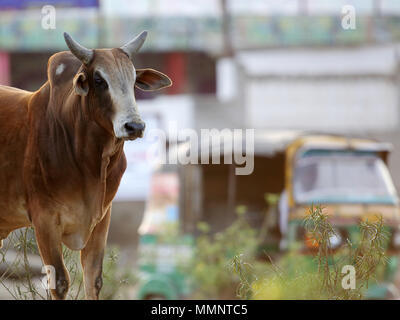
x,y
62,68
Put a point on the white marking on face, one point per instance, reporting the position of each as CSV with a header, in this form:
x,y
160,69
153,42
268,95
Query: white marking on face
x,y
123,98
60,69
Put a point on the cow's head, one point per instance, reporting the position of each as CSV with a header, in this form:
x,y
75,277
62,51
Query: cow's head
x,y
107,78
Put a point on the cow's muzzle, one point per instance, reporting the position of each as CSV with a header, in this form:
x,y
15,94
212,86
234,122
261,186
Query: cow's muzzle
x,y
135,129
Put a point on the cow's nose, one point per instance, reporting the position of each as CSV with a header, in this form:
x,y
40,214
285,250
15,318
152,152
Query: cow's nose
x,y
135,128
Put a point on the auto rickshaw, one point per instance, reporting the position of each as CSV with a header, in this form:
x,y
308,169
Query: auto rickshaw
x,y
350,179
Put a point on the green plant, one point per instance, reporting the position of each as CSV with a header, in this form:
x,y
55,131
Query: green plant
x,y
17,276
246,276
293,278
212,258
116,279
366,257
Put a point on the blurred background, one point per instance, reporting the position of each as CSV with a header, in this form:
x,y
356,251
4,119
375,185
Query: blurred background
x,y
284,68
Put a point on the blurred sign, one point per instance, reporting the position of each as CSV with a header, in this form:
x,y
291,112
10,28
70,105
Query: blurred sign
x,y
161,8
195,25
26,4
22,30
166,33
256,7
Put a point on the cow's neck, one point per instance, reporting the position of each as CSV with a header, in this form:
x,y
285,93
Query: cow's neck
x,y
74,148
90,144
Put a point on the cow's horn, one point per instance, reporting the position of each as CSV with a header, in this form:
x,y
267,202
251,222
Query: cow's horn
x,y
79,51
135,44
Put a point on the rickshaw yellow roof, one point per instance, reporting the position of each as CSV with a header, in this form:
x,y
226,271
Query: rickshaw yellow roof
x,y
327,142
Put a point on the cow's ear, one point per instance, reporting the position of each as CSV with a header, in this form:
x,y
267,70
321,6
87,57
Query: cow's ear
x,y
81,84
149,80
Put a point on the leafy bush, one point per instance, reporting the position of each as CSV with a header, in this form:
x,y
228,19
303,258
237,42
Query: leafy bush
x,y
212,258
292,278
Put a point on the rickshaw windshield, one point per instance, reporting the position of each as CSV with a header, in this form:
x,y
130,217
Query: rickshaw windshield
x,y
342,177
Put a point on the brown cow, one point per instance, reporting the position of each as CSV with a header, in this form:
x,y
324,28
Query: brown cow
x,y
61,156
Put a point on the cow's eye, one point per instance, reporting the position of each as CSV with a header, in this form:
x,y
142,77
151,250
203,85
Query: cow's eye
x,y
99,81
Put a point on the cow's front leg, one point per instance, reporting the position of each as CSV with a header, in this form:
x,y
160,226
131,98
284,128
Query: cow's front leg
x,y
49,239
92,258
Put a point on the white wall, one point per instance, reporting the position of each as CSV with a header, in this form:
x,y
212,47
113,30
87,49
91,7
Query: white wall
x,y
332,105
